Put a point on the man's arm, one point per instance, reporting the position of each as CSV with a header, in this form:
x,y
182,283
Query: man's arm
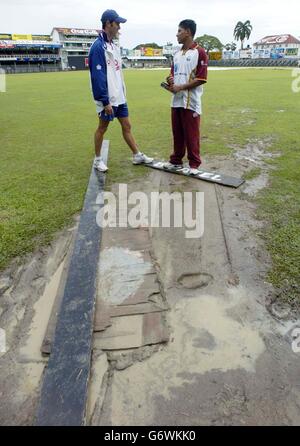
x,y
98,69
189,86
170,78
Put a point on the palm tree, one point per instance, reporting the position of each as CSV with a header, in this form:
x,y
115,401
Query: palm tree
x,y
242,31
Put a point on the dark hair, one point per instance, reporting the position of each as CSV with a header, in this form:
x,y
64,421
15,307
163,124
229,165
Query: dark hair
x,y
189,24
104,23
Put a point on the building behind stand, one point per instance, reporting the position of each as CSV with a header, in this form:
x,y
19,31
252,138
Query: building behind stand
x,y
75,45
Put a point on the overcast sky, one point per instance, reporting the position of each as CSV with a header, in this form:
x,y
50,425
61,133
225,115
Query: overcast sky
x,y
153,20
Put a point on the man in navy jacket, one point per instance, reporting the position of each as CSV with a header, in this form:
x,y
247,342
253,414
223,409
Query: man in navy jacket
x,y
108,87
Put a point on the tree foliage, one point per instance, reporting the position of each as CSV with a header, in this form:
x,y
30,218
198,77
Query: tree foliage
x,y
242,31
209,43
149,45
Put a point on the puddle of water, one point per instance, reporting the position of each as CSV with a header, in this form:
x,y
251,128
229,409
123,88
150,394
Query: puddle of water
x,y
257,184
228,345
39,324
255,152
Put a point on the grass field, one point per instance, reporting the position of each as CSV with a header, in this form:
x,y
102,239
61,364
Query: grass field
x,y
46,133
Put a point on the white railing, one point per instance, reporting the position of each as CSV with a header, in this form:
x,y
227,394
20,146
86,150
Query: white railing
x,y
78,39
28,56
77,45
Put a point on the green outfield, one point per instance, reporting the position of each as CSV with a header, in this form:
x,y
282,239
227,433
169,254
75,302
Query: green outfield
x,y
46,139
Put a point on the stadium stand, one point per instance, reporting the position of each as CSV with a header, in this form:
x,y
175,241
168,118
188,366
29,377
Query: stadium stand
x,y
29,53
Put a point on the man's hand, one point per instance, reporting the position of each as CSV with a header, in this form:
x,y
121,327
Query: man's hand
x,y
170,79
189,86
108,109
165,85
175,88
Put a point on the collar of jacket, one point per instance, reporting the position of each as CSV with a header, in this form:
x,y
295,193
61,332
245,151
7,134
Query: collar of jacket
x,y
103,36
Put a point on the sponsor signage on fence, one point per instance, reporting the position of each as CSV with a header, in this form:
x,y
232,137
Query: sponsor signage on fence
x,y
261,54
277,53
231,54
291,52
157,52
6,44
215,55
148,52
246,54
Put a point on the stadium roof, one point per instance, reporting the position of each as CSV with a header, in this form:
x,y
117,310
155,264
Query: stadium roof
x,y
282,38
8,36
27,40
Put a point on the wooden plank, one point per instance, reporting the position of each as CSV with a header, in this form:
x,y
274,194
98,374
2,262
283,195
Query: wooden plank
x,y
129,310
155,330
212,177
65,385
102,315
148,288
133,331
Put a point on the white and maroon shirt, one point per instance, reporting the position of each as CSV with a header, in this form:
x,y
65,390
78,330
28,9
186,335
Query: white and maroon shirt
x,y
189,65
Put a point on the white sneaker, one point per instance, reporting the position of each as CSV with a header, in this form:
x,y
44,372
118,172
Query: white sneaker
x,y
170,166
99,165
141,158
193,171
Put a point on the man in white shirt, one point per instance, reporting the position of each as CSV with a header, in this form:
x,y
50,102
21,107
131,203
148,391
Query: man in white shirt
x,y
188,73
108,87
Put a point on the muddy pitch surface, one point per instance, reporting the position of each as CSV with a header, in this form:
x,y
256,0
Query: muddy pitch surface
x,y
183,335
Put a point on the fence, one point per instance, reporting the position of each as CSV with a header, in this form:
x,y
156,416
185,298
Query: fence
x,y
15,69
254,63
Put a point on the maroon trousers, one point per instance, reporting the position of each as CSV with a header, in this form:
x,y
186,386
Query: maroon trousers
x,y
186,135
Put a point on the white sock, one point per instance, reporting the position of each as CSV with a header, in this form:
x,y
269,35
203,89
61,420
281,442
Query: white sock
x,y
97,158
